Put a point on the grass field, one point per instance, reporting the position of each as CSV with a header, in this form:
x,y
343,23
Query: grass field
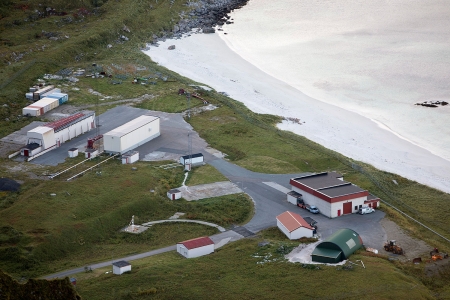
x,y
83,218
40,233
243,270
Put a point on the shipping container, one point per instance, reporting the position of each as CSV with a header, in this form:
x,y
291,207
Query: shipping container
x,y
37,95
62,98
33,111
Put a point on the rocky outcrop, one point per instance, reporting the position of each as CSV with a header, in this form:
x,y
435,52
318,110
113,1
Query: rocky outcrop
x,y
204,14
432,103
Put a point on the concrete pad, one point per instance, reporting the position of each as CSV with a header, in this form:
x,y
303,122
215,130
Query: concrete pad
x,y
136,229
210,190
222,243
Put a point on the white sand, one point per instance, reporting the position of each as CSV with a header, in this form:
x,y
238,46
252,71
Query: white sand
x,y
207,59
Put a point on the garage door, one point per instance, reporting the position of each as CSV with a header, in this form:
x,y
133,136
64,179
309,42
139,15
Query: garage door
x,y
347,208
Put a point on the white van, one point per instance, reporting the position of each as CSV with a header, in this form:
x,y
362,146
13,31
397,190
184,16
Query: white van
x,y
366,210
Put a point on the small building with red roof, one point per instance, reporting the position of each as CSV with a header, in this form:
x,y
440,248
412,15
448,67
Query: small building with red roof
x,y
196,247
294,226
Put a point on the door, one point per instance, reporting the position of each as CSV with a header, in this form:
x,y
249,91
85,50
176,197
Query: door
x,y
374,205
25,152
339,212
347,208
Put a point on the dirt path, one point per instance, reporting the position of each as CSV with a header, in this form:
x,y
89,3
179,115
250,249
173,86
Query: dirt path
x,y
413,247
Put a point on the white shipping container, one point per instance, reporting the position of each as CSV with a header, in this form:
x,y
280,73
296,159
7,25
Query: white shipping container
x,y
132,134
32,111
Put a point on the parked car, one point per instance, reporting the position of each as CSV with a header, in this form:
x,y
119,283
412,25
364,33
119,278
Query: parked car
x,y
366,210
313,209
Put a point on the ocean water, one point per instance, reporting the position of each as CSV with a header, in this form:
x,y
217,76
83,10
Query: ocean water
x,y
375,58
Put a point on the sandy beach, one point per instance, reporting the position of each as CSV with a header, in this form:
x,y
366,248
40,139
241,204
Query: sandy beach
x,y
207,59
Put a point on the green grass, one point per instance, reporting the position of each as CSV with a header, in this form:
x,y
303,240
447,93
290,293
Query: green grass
x,y
88,212
48,230
236,272
203,175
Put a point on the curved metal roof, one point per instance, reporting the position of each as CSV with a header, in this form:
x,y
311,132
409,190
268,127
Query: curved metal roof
x,y
345,240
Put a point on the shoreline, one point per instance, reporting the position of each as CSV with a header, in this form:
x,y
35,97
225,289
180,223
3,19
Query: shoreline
x,y
208,59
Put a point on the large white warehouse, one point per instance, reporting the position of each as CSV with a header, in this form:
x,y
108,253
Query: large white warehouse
x,y
131,135
53,134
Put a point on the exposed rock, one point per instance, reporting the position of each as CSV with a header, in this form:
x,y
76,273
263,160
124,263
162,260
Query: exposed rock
x,y
208,30
172,47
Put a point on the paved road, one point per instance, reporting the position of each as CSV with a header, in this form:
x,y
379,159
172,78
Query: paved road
x,y
109,262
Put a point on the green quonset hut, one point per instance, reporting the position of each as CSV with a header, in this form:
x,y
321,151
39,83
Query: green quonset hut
x,y
337,247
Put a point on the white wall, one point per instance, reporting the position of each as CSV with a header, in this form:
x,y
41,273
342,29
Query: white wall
x,y
196,252
322,205
119,271
291,199
296,234
134,139
340,205
74,130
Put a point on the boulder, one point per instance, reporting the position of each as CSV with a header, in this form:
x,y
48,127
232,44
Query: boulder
x,y
208,30
172,47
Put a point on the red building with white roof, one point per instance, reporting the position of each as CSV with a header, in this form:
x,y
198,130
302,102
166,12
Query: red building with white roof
x,y
331,194
196,247
294,226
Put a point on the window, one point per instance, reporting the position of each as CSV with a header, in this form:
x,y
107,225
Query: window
x,y
356,207
360,206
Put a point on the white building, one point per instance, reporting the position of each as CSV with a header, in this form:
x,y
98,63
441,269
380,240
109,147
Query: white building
x,y
130,157
174,194
52,135
120,267
331,194
73,152
294,226
196,247
192,159
132,134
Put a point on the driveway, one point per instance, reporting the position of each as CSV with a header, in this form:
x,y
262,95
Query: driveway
x,y
270,202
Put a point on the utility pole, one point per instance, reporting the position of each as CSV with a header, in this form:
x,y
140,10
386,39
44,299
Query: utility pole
x,y
188,99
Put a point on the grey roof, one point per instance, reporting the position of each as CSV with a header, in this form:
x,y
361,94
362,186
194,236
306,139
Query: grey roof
x,y
121,264
372,197
173,191
340,190
294,194
321,180
192,155
328,184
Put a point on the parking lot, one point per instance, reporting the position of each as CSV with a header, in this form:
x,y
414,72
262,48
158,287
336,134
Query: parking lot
x,y
173,138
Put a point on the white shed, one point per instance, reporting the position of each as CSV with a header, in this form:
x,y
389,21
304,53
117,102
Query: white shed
x,y
91,153
120,267
294,226
174,194
132,134
73,152
130,157
196,247
294,197
192,159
